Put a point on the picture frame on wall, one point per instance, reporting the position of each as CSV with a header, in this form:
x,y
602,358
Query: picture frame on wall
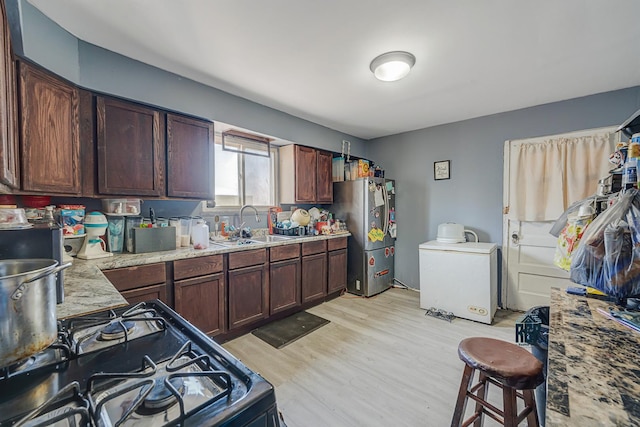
x,y
441,170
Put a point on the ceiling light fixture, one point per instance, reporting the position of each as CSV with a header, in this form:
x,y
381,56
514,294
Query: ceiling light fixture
x,y
392,66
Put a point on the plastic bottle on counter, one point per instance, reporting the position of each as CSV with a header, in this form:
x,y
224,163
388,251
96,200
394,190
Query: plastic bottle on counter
x,y
200,235
630,173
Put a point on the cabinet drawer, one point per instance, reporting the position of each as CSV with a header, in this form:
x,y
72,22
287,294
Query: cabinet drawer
x,y
310,248
335,244
247,258
136,277
279,253
148,293
193,267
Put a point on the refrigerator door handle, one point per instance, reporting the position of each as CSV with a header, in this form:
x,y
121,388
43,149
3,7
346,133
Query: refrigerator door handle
x,y
385,194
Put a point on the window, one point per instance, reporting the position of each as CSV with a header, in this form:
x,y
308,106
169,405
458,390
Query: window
x,y
244,179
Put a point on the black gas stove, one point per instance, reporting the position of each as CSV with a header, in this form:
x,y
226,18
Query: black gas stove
x,y
142,365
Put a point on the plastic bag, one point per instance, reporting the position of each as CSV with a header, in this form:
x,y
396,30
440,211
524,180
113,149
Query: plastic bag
x,y
568,240
608,255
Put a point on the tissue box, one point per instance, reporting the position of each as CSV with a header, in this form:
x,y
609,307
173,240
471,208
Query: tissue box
x,y
72,220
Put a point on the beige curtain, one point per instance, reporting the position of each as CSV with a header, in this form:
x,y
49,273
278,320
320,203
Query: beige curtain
x,y
547,175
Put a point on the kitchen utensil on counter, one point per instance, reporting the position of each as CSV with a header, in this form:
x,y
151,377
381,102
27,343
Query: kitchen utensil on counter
x,y
185,231
301,216
28,304
95,225
13,219
131,223
115,233
216,220
451,232
200,235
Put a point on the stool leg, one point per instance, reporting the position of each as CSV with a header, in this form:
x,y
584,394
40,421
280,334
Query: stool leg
x,y
510,406
461,403
482,393
530,401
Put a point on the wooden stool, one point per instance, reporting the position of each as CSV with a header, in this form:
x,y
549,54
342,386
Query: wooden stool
x,y
508,366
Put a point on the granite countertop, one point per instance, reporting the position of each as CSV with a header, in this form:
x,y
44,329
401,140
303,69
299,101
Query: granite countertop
x,y
594,366
87,290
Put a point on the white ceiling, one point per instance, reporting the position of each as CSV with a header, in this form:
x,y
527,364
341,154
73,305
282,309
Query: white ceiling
x,y
311,58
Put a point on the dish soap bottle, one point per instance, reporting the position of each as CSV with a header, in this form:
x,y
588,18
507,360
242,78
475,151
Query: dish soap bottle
x,y
200,235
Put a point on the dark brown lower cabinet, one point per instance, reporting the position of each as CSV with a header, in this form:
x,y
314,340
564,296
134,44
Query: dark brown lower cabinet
x,y
248,287
201,301
337,271
284,285
147,293
140,283
314,277
336,265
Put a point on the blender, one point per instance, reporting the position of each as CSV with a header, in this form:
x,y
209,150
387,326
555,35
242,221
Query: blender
x,y
95,225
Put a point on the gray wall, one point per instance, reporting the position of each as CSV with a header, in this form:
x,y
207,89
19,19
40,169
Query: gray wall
x,y
45,43
473,195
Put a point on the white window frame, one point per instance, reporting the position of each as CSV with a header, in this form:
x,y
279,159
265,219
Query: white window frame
x,y
242,186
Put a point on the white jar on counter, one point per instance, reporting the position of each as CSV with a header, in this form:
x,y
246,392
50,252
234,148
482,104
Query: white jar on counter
x,y
200,235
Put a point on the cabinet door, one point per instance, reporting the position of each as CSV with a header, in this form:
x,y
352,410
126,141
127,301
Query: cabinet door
x,y
146,294
324,178
337,271
130,149
284,285
190,166
49,131
201,302
314,277
9,169
248,299
305,174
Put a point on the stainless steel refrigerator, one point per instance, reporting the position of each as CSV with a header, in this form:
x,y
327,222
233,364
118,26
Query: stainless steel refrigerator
x,y
368,207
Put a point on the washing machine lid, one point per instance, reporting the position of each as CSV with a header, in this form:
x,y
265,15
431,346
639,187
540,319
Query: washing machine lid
x,y
481,248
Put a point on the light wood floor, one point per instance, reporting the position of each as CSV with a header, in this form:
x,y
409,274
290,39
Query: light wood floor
x,y
379,362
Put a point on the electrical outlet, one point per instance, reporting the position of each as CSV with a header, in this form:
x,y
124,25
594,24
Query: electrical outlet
x,y
357,285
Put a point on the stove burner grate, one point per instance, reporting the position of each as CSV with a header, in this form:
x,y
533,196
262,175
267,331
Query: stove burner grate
x,y
68,404
161,397
55,354
116,330
151,394
92,333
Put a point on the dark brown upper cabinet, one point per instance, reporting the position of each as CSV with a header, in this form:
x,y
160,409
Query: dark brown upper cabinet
x,y
49,132
324,177
9,158
131,149
190,162
305,175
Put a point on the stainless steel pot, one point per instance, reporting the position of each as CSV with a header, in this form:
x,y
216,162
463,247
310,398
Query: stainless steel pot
x,y
27,306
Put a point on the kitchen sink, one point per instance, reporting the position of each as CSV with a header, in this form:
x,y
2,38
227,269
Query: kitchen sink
x,y
238,242
272,238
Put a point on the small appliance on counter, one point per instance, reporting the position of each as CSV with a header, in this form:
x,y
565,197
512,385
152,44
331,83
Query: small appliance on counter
x,y
451,232
38,241
93,247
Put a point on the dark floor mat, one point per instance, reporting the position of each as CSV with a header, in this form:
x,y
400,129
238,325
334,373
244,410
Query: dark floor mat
x,y
282,332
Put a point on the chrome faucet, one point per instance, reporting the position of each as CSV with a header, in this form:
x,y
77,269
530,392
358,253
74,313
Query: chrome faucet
x,y
248,206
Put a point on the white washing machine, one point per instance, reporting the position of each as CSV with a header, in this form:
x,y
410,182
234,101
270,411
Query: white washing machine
x,y
461,278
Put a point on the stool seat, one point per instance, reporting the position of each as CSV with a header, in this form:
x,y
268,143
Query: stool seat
x,y
505,366
508,363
